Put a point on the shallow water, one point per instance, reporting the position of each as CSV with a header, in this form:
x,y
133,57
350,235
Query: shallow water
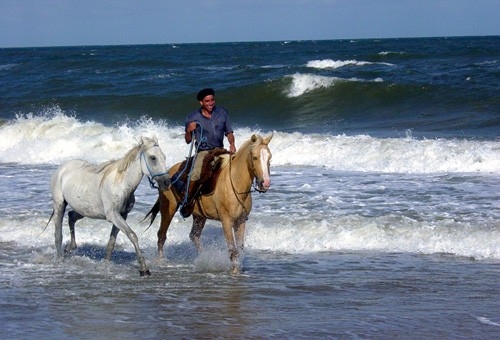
x,y
347,255
323,295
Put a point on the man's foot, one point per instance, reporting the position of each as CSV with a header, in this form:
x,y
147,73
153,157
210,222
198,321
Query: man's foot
x,y
187,209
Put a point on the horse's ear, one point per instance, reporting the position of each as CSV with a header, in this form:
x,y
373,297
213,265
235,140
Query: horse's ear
x,y
268,138
254,138
147,140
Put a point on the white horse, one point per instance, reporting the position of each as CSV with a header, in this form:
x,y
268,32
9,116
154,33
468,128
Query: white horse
x,y
106,191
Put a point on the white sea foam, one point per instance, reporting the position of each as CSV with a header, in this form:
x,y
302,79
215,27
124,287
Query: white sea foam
x,y
56,137
389,233
390,155
329,193
487,321
277,233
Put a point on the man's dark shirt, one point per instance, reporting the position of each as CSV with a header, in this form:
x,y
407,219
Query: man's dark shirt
x,y
212,132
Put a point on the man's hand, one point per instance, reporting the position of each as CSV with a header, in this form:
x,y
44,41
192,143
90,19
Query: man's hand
x,y
191,127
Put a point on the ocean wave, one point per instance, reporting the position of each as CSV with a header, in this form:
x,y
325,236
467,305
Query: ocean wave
x,y
386,233
55,137
286,234
391,52
6,67
334,64
364,153
304,83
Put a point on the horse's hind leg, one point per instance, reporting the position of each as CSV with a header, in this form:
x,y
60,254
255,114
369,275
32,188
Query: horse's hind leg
x,y
111,242
58,221
73,216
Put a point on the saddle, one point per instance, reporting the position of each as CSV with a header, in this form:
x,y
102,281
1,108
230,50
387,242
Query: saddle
x,y
210,171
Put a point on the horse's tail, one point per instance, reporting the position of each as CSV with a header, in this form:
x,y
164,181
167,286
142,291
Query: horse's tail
x,y
153,212
50,218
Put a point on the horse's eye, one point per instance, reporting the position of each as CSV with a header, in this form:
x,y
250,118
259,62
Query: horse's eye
x,y
153,158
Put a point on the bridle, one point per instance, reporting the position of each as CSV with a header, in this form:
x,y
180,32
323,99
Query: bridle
x,y
254,183
152,175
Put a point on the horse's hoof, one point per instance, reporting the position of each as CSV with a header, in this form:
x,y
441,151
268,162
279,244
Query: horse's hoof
x,y
145,272
160,260
235,271
69,250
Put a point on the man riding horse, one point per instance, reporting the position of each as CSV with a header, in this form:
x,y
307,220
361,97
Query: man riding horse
x,y
210,124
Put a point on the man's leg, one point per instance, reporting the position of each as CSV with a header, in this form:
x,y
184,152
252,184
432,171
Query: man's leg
x,y
194,185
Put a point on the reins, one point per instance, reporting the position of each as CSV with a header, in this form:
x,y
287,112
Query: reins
x,y
253,182
196,146
234,189
231,157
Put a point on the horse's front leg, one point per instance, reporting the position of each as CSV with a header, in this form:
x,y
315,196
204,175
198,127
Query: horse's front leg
x,y
240,235
120,223
168,207
112,238
229,228
196,229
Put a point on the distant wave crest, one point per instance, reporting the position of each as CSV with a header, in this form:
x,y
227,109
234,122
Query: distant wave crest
x,y
334,64
303,83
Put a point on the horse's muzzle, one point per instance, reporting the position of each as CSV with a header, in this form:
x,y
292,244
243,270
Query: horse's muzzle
x,y
163,182
262,185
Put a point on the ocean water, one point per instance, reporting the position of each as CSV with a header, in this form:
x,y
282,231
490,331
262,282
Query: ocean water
x,y
382,221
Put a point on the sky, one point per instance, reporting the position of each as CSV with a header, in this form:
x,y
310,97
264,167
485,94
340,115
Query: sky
x,y
33,23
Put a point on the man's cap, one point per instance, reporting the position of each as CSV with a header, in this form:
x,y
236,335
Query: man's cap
x,y
205,92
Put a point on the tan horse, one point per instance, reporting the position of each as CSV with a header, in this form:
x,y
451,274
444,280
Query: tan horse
x,y
230,202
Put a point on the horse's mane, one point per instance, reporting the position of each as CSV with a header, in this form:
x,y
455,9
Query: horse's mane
x,y
122,164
